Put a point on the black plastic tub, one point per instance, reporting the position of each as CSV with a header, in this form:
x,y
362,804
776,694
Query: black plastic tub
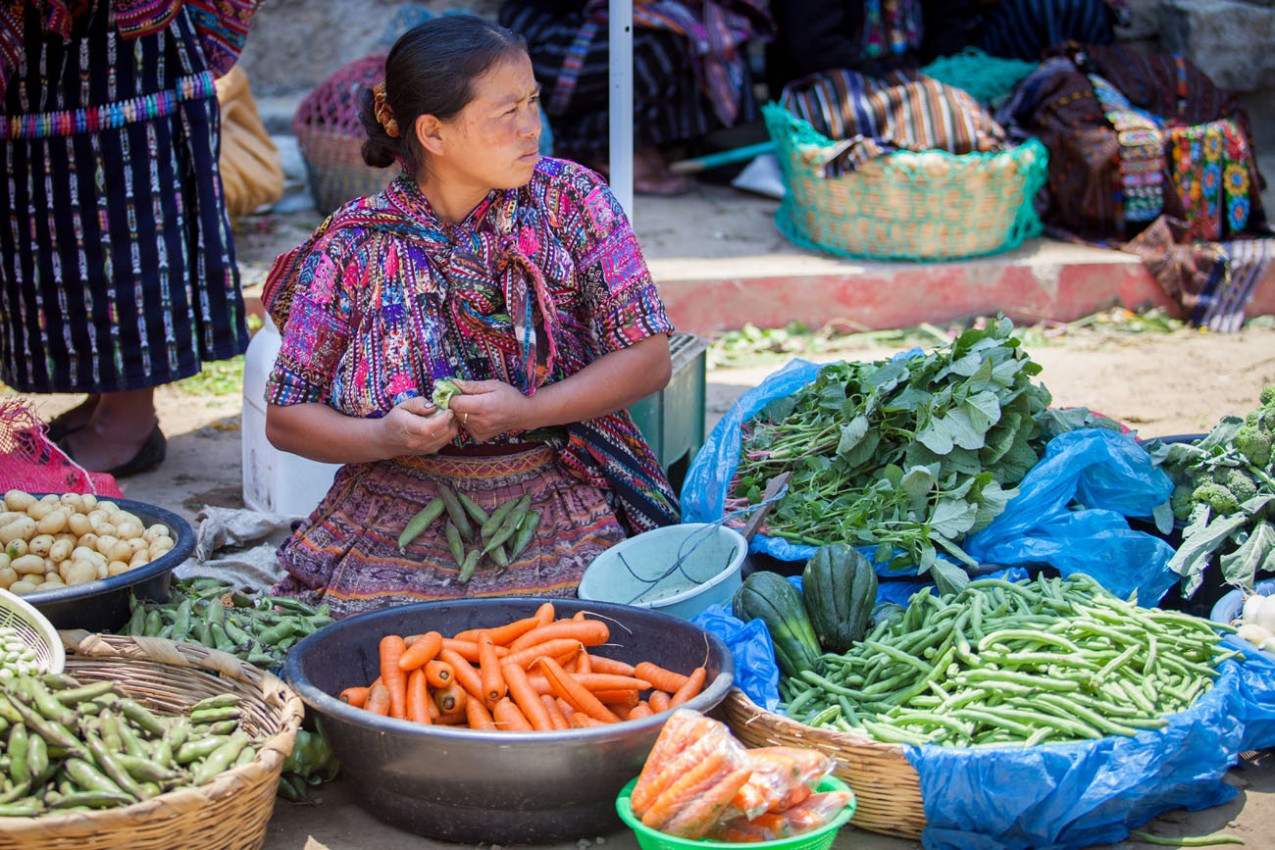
x,y
462,785
102,606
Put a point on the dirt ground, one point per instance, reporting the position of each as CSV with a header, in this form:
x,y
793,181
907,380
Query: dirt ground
x,y
1158,383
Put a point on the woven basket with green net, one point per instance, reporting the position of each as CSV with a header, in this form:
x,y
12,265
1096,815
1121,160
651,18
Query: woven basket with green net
x,y
932,205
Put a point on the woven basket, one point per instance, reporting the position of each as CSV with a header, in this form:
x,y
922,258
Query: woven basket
x,y
887,787
35,631
932,205
228,813
331,137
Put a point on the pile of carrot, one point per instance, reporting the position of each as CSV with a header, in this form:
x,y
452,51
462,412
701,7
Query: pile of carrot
x,y
532,674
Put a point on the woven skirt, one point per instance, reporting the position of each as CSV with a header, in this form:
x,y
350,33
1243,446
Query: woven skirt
x,y
346,553
117,268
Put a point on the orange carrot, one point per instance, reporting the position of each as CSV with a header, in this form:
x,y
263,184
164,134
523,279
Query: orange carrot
x,y
464,672
659,701
545,613
625,697
575,694
556,717
525,697
602,664
457,719
508,717
391,649
439,673
580,720
587,632
694,684
612,682
560,649
378,700
659,677
468,649
478,716
579,615
502,635
681,792
564,707
581,663
451,699
417,697
642,709
421,651
356,697
494,687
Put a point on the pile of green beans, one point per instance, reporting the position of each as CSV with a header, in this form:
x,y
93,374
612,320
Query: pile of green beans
x,y
1006,662
17,657
80,746
257,628
472,533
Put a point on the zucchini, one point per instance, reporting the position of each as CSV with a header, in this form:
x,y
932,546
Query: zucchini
x,y
839,588
769,597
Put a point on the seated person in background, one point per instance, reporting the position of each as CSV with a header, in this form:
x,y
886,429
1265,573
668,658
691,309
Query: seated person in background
x,y
1017,29
690,75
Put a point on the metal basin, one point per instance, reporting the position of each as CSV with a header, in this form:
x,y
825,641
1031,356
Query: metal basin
x,y
493,787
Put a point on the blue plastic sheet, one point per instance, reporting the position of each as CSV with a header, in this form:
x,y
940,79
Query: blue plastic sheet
x,y
1105,472
756,673
1058,796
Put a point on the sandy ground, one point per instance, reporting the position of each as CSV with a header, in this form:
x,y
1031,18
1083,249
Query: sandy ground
x,y
1157,383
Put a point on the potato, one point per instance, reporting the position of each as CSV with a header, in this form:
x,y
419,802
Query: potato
x,y
22,528
7,577
18,500
107,505
4,559
156,530
53,523
61,551
28,565
41,509
121,551
105,542
106,528
79,524
100,566
72,501
129,529
88,501
115,568
80,572
52,581
88,541
23,586
41,544
16,548
97,516
160,546
139,558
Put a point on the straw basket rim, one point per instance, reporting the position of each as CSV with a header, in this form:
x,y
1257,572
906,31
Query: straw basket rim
x,y
243,796
886,786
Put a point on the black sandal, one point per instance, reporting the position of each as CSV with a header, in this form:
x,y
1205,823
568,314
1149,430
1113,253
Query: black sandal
x,y
58,429
149,456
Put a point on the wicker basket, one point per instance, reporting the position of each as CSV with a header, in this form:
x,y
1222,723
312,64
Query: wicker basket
x,y
331,136
885,784
932,205
34,629
228,813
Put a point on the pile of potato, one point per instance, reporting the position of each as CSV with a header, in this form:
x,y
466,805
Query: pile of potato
x,y
57,540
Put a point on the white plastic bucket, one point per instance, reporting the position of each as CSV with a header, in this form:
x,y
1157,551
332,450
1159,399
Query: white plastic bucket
x,y
643,570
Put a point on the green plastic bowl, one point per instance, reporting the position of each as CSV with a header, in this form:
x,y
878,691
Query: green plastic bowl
x,y
816,839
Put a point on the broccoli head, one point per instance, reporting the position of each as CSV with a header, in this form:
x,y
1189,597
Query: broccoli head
x,y
1181,502
1254,444
1217,497
1239,482
1267,398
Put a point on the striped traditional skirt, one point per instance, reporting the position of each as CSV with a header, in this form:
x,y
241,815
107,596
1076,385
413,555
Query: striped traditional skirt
x,y
346,553
117,268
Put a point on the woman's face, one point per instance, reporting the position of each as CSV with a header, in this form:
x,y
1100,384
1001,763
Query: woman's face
x,y
494,142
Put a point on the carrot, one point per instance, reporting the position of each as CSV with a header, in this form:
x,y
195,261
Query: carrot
x,y
575,694
612,682
438,673
391,650
477,715
451,699
417,697
545,613
579,615
685,738
494,687
698,815
602,664
525,697
556,717
464,672
422,650
587,632
701,776
659,701
580,720
457,719
694,684
508,717
560,649
581,664
659,677
642,709
626,697
378,700
564,707
468,649
356,697
502,635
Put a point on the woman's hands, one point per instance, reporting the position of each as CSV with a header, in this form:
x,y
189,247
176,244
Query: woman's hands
x,y
488,408
417,427
316,431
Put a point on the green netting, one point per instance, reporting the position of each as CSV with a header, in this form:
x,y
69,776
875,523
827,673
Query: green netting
x,y
932,205
988,78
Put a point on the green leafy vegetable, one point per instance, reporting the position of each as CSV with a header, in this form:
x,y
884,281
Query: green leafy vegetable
x,y
443,391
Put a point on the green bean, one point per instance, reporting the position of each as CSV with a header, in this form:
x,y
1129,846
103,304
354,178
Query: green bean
x,y
421,521
456,512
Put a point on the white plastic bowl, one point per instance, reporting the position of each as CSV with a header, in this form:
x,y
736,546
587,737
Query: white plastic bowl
x,y
644,571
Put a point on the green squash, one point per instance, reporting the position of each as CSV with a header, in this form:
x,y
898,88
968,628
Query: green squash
x,y
839,588
771,598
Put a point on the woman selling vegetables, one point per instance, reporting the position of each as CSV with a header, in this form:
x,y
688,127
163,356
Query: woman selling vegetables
x,y
513,279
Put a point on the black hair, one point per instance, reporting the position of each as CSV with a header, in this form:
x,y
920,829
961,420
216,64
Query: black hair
x,y
430,71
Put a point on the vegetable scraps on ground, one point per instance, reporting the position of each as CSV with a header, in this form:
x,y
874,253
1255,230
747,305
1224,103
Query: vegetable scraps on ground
x,y
699,781
536,673
1225,487
1010,662
77,745
907,455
